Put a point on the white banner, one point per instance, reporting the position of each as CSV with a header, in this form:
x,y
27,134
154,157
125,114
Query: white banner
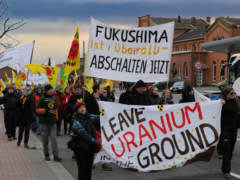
x,y
16,57
37,78
158,137
130,54
199,96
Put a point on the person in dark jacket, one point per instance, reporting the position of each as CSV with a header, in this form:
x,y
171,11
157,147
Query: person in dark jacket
x,y
91,101
84,130
9,101
154,95
24,104
166,97
123,99
187,94
139,95
229,120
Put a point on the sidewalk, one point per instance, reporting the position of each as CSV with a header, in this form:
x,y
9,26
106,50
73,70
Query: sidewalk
x,y
17,163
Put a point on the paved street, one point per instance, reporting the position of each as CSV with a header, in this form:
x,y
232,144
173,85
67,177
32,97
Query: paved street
x,y
21,164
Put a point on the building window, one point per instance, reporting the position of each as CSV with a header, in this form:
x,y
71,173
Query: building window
x,y
218,38
214,71
185,70
185,48
222,71
194,48
174,70
177,48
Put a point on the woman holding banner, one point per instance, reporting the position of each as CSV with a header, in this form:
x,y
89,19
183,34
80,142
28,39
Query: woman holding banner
x,y
229,128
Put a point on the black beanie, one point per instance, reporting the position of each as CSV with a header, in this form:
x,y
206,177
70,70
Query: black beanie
x,y
139,84
48,87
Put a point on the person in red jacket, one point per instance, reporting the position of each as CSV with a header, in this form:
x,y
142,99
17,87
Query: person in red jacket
x,y
67,95
60,99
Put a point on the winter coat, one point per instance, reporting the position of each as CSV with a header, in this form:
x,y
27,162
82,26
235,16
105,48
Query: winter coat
x,y
230,116
60,99
48,103
154,99
91,104
84,131
9,101
138,99
123,99
163,100
25,111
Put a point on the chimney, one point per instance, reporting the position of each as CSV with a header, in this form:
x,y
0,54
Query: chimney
x,y
208,19
179,19
194,21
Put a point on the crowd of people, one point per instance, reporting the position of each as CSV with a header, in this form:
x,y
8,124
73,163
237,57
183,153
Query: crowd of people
x,y
44,110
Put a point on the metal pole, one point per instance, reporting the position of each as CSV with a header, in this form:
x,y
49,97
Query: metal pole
x,y
229,67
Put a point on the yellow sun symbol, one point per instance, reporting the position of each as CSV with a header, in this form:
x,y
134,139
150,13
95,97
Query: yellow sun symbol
x,y
50,105
80,100
102,112
160,107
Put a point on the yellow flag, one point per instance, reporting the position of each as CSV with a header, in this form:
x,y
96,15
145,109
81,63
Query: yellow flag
x,y
2,87
109,83
7,81
20,77
89,82
14,76
50,71
73,61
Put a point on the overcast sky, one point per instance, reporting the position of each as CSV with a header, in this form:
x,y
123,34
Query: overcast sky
x,y
52,22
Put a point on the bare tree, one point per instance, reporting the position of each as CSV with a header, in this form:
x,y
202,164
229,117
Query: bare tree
x,y
7,25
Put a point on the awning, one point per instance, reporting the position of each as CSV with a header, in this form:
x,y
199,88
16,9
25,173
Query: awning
x,y
229,45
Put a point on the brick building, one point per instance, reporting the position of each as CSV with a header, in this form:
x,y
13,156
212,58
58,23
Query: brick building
x,y
187,51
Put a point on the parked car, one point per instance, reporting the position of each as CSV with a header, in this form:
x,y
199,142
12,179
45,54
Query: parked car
x,y
213,95
163,85
177,87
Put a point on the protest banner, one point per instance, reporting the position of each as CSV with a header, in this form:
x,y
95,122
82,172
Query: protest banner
x,y
159,137
130,54
199,96
18,56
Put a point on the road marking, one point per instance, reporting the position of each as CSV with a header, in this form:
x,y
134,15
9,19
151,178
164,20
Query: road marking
x,y
0,126
235,175
56,167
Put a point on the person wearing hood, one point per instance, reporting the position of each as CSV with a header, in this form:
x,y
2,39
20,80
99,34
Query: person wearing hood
x,y
47,110
123,99
84,141
139,95
229,121
187,94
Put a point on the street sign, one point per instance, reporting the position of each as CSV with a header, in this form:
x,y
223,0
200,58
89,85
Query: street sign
x,y
198,65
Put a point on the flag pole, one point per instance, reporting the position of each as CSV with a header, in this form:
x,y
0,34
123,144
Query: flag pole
x,y
31,59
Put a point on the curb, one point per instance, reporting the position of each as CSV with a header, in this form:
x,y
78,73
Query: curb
x,y
56,167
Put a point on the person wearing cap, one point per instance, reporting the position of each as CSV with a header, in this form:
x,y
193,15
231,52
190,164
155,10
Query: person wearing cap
x,y
229,120
139,95
47,110
85,143
9,101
